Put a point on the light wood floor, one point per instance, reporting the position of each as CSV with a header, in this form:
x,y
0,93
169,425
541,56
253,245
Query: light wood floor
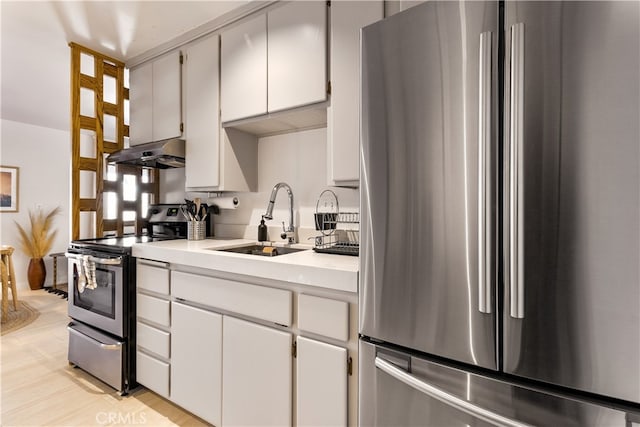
x,y
39,388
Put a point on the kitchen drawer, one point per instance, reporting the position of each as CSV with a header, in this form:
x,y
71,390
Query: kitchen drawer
x,y
154,340
152,373
153,276
324,316
96,353
260,302
154,309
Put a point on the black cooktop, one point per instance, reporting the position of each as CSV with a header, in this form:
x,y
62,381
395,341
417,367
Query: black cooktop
x,y
165,223
120,244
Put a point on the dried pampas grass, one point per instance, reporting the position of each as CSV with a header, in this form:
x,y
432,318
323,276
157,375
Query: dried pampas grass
x,y
37,242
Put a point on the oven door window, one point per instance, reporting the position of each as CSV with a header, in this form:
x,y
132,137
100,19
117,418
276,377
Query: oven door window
x,y
102,299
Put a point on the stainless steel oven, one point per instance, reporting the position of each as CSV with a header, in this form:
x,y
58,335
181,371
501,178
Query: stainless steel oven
x,y
102,287
102,308
102,305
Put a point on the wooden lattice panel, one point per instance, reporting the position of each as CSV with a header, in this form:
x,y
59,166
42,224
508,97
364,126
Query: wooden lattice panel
x,y
99,112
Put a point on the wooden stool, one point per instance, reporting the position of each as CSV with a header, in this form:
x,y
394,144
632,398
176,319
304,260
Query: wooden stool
x,y
8,279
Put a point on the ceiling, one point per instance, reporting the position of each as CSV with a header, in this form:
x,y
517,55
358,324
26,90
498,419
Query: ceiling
x,y
35,56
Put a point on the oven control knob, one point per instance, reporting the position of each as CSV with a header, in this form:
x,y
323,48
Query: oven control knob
x,y
155,211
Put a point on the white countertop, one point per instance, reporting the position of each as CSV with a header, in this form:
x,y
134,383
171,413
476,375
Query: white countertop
x,y
307,267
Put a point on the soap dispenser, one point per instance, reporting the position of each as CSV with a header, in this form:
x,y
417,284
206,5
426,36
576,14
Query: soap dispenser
x,y
262,231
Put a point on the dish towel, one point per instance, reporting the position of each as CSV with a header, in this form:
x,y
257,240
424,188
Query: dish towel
x,y
82,278
89,267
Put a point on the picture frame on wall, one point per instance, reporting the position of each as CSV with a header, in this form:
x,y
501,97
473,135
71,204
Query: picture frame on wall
x,y
8,189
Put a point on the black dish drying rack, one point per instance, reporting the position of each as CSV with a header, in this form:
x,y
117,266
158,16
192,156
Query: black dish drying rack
x,y
340,230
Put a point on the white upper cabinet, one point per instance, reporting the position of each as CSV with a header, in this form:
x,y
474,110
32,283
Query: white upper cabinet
x,y
244,70
155,100
297,55
216,160
343,115
201,114
274,62
167,99
140,108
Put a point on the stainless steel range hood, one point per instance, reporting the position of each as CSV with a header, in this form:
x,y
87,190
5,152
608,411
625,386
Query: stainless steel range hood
x,y
165,154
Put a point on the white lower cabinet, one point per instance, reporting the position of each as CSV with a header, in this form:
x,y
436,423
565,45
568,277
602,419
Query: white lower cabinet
x,y
321,383
153,340
154,309
222,348
152,325
152,373
196,361
256,375
153,276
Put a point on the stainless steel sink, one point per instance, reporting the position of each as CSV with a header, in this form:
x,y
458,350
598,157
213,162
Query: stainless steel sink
x,y
262,250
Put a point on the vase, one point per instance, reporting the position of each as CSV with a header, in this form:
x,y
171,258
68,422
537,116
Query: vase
x,y
36,273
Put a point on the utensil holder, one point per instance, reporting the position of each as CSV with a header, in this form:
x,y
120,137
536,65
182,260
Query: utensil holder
x,y
196,230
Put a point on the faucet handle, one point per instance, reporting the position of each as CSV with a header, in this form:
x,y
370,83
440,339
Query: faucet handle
x,y
287,234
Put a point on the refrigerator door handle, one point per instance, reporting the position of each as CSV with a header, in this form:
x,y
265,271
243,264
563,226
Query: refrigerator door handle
x,y
484,168
516,181
446,398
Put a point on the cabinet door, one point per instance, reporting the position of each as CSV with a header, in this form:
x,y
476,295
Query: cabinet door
x,y
196,361
140,108
153,276
167,99
297,55
202,111
244,70
343,120
256,375
152,373
153,309
321,371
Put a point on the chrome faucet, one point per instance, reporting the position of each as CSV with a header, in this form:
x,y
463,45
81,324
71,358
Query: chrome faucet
x,y
287,233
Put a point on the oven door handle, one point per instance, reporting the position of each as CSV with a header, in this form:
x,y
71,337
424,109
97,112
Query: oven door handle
x,y
103,261
102,345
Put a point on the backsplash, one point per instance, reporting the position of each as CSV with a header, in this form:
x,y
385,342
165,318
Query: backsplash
x,y
297,158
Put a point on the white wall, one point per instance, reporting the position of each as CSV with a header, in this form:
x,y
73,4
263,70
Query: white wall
x,y
44,158
172,183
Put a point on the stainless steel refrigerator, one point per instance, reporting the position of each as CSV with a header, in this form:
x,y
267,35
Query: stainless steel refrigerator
x,y
500,215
